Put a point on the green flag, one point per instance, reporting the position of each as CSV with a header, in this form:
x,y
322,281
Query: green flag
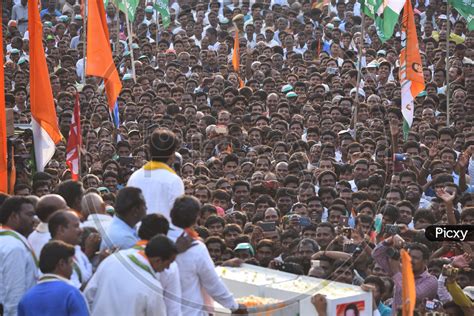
x,y
466,9
369,7
129,7
161,6
387,12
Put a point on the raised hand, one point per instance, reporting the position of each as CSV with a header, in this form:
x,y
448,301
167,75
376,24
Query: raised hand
x,y
446,196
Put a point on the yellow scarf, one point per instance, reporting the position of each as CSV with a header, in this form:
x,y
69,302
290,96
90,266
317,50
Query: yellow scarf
x,y
154,165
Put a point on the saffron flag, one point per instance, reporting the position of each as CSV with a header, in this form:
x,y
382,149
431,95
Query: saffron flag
x,y
236,52
3,122
411,69
99,55
386,16
74,142
408,285
43,112
236,57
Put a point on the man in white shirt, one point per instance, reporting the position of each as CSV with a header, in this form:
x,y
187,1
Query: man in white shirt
x,y
93,209
20,15
47,205
125,282
199,279
18,263
159,183
65,226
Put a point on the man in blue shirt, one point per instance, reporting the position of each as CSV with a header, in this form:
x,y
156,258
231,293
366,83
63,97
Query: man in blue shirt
x,y
130,208
51,10
54,295
379,288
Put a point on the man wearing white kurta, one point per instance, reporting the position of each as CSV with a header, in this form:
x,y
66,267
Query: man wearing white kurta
x,y
159,183
47,205
18,263
125,283
196,269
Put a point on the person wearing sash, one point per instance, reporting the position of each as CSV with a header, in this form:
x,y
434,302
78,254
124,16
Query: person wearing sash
x,y
130,208
158,181
47,205
18,263
152,225
199,280
125,282
65,226
54,294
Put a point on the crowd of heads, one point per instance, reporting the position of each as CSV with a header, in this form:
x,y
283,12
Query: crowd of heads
x,y
285,157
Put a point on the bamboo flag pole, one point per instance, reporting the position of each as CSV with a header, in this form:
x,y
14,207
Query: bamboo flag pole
x,y
130,42
359,68
448,31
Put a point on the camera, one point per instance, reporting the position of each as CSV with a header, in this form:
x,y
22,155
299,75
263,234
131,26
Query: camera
x,y
347,231
391,230
400,157
449,271
432,305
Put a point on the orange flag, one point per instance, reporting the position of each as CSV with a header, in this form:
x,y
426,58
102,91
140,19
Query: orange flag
x,y
408,285
43,112
3,122
236,57
236,53
99,61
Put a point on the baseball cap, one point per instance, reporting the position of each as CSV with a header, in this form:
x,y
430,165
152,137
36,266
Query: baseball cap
x,y
12,23
245,246
286,88
291,94
149,9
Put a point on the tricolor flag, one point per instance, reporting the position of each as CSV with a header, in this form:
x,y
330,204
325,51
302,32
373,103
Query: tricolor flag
x,y
386,16
3,122
408,285
99,55
43,112
74,142
411,68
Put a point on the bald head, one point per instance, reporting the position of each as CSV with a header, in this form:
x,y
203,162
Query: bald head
x,y
48,204
92,203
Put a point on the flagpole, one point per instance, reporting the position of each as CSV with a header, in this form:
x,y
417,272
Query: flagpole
x,y
448,31
359,66
84,46
130,42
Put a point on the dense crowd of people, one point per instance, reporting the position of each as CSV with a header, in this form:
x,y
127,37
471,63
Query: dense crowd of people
x,y
297,161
